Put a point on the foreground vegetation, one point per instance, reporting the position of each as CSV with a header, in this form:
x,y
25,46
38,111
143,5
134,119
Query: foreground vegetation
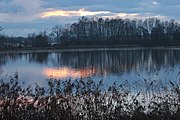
x,y
86,99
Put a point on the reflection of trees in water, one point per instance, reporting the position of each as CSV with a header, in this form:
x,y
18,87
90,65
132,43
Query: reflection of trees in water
x,y
102,62
2,59
1,70
2,62
31,57
119,61
39,57
5,57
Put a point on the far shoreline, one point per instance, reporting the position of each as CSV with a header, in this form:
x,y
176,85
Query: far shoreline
x,y
84,48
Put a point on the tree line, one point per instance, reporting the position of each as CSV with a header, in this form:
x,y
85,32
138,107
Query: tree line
x,y
99,31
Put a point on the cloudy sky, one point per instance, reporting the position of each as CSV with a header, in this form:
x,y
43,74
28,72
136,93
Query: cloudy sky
x,y
19,17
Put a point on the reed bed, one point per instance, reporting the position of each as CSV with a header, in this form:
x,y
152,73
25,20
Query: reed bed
x,y
85,99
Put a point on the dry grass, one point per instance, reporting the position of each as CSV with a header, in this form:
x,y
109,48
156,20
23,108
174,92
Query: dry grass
x,y
84,99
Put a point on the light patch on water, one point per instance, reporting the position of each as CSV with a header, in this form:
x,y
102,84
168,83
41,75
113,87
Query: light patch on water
x,y
64,72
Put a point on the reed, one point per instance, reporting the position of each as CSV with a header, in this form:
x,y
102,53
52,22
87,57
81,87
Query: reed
x,y
86,99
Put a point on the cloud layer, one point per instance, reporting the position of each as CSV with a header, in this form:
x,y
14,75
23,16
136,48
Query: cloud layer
x,y
81,12
36,15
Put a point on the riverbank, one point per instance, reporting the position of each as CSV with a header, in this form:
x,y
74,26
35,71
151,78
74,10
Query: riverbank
x,y
84,48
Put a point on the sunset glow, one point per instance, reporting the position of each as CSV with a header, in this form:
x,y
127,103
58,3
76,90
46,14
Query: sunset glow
x,y
81,12
60,73
123,15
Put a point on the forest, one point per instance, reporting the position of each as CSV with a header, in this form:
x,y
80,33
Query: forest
x,y
99,31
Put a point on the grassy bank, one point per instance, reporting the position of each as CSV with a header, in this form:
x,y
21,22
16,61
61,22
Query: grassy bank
x,y
86,99
68,47
82,48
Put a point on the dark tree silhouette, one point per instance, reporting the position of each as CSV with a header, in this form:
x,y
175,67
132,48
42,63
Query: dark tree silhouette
x,y
110,32
99,31
41,40
2,38
57,31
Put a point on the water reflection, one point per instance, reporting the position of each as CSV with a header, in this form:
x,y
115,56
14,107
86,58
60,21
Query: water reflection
x,y
109,62
64,72
1,71
92,63
38,57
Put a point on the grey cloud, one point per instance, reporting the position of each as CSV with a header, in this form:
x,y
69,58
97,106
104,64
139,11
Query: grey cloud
x,y
168,2
25,14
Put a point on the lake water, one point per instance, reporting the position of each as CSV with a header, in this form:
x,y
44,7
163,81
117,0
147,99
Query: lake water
x,y
110,65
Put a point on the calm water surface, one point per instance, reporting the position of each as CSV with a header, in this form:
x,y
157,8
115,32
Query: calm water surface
x,y
109,65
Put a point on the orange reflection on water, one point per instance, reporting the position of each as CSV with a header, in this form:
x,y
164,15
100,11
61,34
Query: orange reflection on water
x,y
65,72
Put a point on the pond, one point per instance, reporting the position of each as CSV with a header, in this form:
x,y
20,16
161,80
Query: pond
x,y
108,64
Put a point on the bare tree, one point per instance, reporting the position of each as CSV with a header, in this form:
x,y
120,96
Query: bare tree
x,y
1,29
99,31
57,31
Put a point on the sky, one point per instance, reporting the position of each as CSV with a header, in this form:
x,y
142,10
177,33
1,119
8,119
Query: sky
x,y
20,17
